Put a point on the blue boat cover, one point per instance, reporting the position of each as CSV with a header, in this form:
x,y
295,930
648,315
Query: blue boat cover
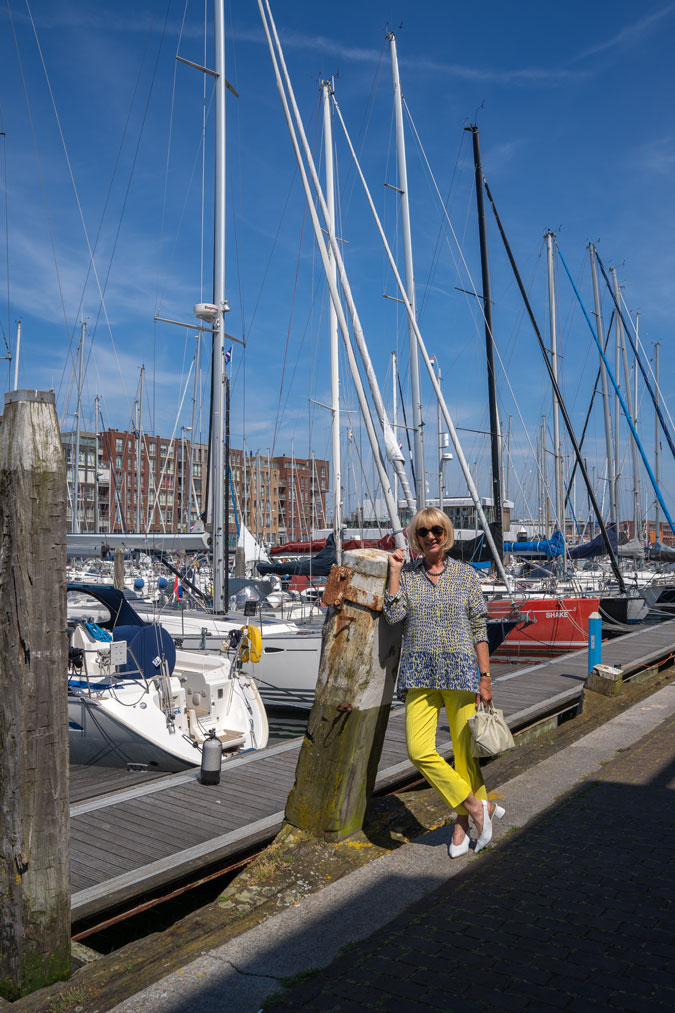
x,y
596,546
146,647
548,548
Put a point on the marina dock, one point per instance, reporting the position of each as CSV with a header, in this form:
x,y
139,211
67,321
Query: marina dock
x,y
134,832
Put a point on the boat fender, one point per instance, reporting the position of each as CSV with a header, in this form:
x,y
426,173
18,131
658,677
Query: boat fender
x,y
212,758
252,644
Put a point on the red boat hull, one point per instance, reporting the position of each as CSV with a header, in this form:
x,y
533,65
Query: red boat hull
x,y
557,625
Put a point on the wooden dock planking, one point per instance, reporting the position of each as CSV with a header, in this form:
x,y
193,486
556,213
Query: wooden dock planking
x,y
161,827
94,782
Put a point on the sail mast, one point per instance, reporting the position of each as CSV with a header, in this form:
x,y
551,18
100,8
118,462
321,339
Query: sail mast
x,y
489,345
637,521
557,450
16,355
439,442
75,471
657,444
418,422
333,325
611,473
139,431
394,410
97,402
218,345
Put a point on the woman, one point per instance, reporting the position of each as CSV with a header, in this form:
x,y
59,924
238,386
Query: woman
x,y
444,662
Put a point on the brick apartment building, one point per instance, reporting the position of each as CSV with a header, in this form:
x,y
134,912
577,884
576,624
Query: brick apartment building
x,y
280,498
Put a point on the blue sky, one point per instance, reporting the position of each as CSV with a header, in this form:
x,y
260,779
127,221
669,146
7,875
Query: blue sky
x,y
574,104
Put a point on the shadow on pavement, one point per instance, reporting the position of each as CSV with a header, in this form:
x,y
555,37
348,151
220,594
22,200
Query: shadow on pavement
x,y
575,911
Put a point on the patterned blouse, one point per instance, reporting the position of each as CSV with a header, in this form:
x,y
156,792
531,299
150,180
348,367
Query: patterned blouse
x,y
441,624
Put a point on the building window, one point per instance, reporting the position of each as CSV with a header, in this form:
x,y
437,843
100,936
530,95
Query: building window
x,y
119,445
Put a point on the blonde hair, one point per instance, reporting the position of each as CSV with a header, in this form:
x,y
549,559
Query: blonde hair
x,y
429,517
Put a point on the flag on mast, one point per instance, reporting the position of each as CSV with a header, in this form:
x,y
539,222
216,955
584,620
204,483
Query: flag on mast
x,y
228,355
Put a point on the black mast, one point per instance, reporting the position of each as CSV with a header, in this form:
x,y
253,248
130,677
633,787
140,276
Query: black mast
x,y
489,345
558,394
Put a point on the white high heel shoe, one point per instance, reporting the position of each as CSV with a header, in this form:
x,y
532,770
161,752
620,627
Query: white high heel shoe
x,y
486,833
457,850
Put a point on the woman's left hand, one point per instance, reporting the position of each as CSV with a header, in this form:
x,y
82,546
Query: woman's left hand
x,y
484,694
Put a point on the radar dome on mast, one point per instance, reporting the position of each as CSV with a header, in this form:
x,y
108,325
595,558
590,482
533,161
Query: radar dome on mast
x,y
206,311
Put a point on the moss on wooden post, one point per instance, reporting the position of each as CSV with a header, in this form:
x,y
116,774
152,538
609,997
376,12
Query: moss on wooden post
x,y
338,761
34,846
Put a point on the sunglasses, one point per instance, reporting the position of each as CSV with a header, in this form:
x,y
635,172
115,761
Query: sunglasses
x,y
437,531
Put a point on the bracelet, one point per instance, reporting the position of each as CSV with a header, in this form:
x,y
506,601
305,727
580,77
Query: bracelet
x,y
485,675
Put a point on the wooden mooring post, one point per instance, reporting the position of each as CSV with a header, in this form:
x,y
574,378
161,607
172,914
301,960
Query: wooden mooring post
x,y
118,569
34,846
338,760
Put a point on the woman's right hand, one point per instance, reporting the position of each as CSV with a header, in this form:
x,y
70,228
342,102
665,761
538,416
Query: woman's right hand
x,y
396,561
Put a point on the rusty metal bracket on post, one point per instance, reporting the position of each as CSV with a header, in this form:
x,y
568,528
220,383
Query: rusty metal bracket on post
x,y
342,585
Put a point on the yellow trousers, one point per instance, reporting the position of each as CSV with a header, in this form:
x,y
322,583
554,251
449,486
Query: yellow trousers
x,y
422,710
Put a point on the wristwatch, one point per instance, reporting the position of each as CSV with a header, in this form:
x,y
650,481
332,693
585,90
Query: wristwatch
x,y
485,675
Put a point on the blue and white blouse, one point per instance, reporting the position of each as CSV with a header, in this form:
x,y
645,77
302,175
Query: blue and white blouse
x,y
441,624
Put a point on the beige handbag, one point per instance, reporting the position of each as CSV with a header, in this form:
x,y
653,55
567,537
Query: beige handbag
x,y
490,734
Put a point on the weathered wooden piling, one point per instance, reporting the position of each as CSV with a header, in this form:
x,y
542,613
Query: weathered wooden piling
x,y
341,750
118,569
34,847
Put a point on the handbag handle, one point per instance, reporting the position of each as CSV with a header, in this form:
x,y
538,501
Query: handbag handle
x,y
488,707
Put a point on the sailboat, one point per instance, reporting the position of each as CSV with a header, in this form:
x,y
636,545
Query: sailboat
x,y
137,701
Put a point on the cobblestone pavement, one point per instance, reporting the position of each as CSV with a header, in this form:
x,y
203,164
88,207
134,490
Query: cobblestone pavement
x,y
574,912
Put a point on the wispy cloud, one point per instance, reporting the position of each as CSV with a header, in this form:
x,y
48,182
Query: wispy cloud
x,y
94,19
491,75
657,156
357,54
629,35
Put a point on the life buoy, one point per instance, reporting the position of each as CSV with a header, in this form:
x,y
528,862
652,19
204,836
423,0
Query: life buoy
x,y
251,644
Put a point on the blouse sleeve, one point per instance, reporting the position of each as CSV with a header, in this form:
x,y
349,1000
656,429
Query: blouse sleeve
x,y
477,610
396,605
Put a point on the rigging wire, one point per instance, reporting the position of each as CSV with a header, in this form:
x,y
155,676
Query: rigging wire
x,y
103,213
279,413
437,248
3,134
70,168
648,359
235,219
165,190
42,181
